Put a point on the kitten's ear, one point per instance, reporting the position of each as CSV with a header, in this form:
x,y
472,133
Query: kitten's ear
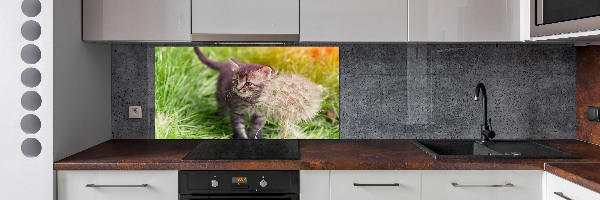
x,y
267,71
234,64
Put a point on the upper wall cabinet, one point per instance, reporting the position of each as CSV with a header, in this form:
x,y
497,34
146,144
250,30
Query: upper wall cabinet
x,y
136,20
354,20
307,20
244,20
468,20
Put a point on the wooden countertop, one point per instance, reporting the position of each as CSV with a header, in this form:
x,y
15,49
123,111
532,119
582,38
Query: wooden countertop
x,y
581,173
332,155
314,155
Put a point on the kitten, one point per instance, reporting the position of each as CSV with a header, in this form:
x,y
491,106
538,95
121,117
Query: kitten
x,y
238,87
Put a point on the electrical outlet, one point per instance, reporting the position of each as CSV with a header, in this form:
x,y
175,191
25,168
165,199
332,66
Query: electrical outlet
x,y
135,112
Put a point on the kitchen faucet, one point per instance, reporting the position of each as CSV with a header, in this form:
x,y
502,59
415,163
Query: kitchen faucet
x,y
486,130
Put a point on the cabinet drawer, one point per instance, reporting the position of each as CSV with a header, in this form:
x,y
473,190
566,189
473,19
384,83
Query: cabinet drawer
x,y
314,184
482,184
567,189
161,185
380,185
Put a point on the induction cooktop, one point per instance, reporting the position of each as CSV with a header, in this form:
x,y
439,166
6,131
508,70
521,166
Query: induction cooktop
x,y
245,150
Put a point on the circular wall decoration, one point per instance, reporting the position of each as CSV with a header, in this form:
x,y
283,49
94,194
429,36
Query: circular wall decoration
x,y
31,77
31,8
30,124
31,147
31,54
31,30
31,100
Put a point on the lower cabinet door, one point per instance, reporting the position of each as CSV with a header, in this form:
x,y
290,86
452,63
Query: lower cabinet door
x,y
314,184
560,189
117,185
375,185
482,184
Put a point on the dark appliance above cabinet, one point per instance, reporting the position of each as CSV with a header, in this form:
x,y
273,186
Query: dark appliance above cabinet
x,y
571,18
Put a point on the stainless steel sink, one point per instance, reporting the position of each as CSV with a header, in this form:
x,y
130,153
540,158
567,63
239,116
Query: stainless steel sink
x,y
492,149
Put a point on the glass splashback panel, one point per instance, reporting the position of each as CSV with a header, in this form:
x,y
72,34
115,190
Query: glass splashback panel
x,y
246,92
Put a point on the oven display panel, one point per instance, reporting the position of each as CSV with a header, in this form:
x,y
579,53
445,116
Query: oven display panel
x,y
239,180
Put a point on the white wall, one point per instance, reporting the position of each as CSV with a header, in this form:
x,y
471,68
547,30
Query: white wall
x,y
24,177
74,88
82,84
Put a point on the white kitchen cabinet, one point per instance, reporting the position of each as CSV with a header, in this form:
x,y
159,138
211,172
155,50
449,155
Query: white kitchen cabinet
x,y
468,20
243,20
354,20
482,184
136,20
117,185
561,189
314,184
378,184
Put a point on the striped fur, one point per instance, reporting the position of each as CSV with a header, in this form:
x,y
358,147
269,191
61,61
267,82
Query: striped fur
x,y
238,87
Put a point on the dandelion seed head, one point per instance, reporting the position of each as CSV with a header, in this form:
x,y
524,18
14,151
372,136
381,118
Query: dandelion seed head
x,y
291,97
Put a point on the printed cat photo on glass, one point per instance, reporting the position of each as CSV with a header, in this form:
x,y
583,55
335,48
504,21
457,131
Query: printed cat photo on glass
x,y
246,93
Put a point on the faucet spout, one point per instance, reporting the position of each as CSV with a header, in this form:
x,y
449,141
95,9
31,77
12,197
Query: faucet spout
x,y
481,88
486,133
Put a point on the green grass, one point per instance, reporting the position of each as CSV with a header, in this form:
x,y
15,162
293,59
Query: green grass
x,y
185,89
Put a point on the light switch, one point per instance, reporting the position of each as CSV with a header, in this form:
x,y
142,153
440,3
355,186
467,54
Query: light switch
x,y
135,112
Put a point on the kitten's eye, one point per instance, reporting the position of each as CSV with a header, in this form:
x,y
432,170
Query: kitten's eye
x,y
248,84
235,81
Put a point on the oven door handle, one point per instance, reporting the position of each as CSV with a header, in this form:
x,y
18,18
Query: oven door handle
x,y
251,197
194,197
191,197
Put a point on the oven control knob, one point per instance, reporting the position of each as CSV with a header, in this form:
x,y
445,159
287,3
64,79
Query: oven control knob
x,y
263,183
214,183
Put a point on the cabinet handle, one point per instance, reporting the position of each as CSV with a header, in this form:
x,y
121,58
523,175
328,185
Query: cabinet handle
x,y
560,194
505,185
362,184
94,185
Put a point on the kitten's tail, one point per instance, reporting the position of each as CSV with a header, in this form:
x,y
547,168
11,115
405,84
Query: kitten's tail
x,y
216,65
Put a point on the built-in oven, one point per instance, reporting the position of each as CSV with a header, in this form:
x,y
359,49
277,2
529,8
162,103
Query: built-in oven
x,y
554,17
234,185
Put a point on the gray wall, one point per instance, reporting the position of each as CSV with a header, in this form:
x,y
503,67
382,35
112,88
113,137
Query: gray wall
x,y
132,85
409,90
